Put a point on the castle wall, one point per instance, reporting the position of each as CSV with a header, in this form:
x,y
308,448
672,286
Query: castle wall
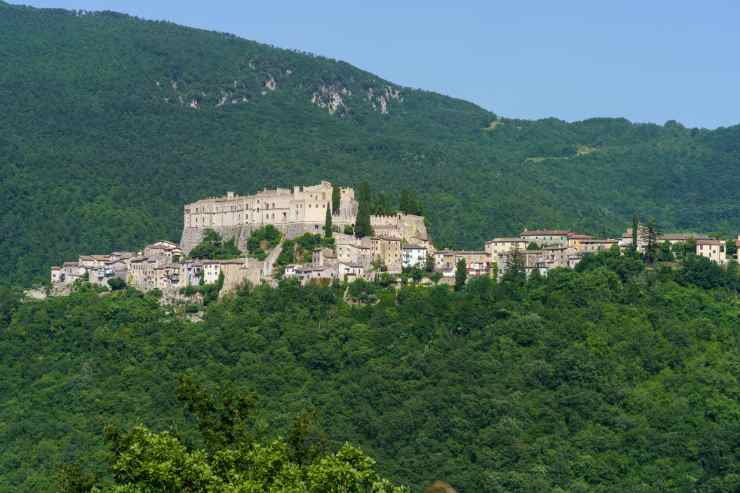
x,y
292,211
408,227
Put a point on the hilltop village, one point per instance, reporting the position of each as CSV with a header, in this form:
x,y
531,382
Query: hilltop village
x,y
311,233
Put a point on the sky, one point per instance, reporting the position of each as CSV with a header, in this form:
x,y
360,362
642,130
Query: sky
x,y
648,61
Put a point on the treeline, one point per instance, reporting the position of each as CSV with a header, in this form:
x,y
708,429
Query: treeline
x,y
609,378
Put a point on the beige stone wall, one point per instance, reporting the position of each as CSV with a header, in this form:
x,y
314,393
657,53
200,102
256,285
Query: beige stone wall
x,y
408,227
293,211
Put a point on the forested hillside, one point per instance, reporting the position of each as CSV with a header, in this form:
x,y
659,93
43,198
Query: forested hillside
x,y
607,379
110,124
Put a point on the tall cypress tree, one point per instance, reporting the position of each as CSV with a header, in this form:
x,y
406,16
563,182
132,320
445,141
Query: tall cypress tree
x,y
461,274
328,222
362,223
635,227
335,199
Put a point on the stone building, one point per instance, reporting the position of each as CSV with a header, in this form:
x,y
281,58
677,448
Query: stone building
x,y
408,227
163,249
594,245
386,250
678,238
575,240
498,247
477,262
414,256
293,211
546,237
351,250
642,239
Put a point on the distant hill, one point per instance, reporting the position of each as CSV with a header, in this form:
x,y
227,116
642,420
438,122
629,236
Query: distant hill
x,y
111,123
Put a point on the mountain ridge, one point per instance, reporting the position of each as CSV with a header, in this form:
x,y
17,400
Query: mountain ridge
x,y
113,123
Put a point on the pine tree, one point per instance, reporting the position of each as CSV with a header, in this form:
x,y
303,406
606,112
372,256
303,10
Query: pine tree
x,y
328,222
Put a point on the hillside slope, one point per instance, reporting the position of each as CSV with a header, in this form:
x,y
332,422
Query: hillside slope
x,y
110,124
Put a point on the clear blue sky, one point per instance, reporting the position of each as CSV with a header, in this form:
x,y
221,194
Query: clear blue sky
x,y
646,60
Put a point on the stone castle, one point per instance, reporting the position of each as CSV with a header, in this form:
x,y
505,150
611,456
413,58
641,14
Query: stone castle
x,y
294,211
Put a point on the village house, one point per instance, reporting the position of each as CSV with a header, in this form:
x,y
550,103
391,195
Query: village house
x,y
642,239
542,260
352,250
546,237
595,245
324,257
413,256
141,273
714,250
678,238
309,273
166,276
575,240
191,272
386,250
164,250
498,247
444,261
211,271
477,262
350,272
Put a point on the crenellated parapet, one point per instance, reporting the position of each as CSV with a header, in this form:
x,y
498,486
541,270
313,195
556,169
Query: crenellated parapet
x,y
293,211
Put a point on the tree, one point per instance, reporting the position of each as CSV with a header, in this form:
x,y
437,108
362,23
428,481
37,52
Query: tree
x,y
635,231
234,461
409,203
731,246
327,223
214,247
533,246
461,274
71,478
116,284
362,223
515,277
429,263
665,254
336,199
651,250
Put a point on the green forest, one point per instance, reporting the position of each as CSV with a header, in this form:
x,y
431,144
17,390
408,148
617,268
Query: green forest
x,y
612,377
100,147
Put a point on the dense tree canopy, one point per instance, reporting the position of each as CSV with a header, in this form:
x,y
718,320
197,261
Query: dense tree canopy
x,y
611,378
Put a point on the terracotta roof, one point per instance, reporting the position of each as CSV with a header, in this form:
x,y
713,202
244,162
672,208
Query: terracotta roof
x,y
681,237
708,241
599,240
545,232
507,240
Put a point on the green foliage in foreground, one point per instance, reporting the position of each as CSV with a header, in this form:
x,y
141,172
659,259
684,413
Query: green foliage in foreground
x,y
610,379
231,461
213,246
